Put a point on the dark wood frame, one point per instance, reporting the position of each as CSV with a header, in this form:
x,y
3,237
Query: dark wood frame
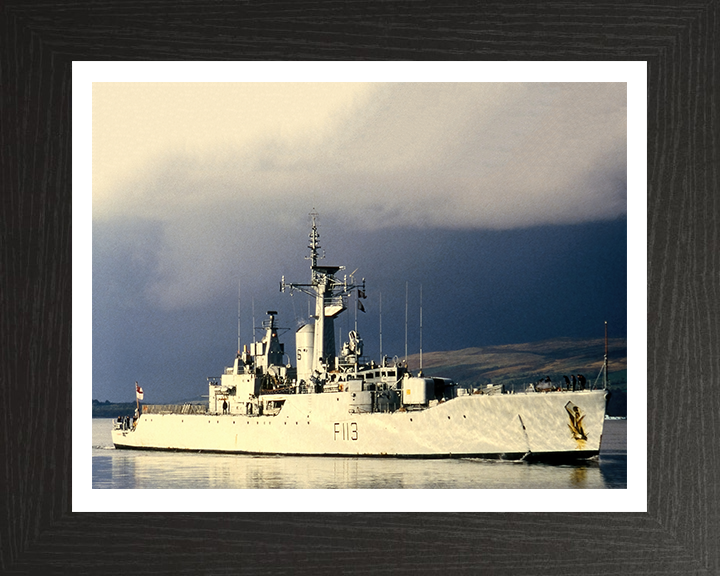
x,y
680,531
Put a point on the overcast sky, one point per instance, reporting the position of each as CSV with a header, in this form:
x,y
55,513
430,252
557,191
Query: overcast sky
x,y
507,202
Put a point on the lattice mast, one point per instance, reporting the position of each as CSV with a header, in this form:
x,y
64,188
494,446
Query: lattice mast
x,y
330,295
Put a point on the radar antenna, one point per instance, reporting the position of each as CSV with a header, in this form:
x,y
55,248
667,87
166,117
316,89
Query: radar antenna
x,y
314,238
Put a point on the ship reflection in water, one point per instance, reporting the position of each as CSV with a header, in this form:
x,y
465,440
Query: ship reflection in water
x,y
140,469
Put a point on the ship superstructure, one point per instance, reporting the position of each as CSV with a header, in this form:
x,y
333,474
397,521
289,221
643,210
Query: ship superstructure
x,y
343,404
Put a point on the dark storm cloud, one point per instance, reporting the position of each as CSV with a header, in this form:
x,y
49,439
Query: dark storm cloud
x,y
479,287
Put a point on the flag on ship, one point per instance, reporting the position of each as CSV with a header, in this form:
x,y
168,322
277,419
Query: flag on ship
x,y
138,392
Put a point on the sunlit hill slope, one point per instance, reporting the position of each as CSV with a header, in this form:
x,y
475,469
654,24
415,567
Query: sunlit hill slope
x,y
516,365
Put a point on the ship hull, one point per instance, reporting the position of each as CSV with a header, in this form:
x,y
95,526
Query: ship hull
x,y
532,426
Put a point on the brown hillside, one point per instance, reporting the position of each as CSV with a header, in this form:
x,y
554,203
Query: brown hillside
x,y
526,362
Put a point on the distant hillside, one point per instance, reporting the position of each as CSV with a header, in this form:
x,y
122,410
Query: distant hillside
x,y
110,410
524,363
516,365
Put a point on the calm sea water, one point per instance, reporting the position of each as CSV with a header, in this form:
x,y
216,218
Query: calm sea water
x,y
139,469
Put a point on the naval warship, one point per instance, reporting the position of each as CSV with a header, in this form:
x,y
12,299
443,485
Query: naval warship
x,y
343,404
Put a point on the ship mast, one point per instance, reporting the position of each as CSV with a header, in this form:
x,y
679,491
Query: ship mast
x,y
605,364
421,328
406,317
314,237
330,295
238,346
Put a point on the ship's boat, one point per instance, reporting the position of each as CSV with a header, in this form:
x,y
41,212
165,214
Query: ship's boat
x,y
342,404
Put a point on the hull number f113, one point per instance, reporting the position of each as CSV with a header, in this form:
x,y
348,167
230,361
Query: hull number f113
x,y
345,431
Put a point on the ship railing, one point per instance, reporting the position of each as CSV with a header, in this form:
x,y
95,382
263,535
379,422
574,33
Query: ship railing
x,y
280,390
534,387
174,409
331,386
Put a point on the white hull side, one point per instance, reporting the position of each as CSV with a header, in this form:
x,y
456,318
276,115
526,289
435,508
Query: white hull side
x,y
320,424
